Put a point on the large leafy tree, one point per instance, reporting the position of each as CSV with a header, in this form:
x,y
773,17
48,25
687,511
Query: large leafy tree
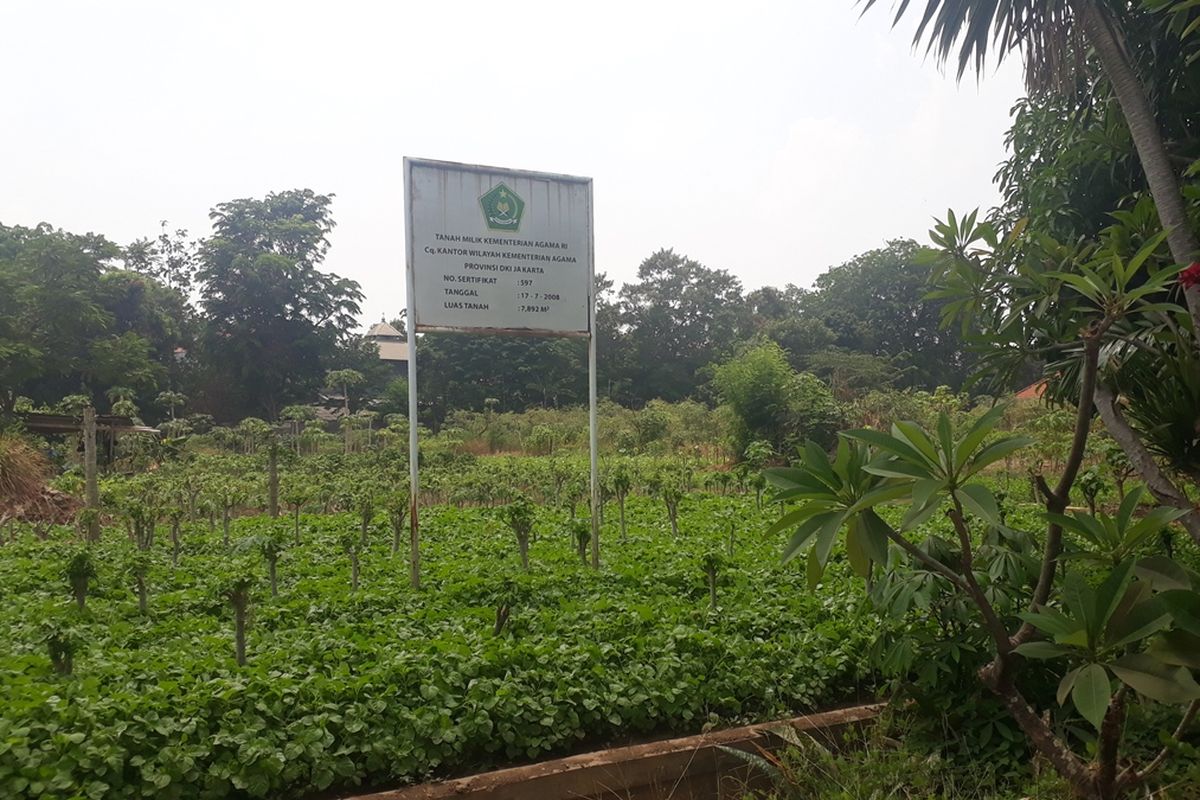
x,y
771,402
678,317
72,323
1054,36
272,319
1072,159
876,305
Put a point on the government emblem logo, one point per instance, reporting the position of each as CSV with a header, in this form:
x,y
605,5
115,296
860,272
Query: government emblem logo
x,y
502,208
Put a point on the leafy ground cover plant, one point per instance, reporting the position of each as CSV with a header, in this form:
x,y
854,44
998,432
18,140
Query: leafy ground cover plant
x,y
385,684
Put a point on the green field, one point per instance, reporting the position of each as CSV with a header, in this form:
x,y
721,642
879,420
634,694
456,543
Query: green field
x,y
385,685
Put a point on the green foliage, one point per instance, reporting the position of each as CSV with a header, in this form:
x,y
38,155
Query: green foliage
x,y
273,319
79,571
70,319
344,689
1100,627
772,402
886,330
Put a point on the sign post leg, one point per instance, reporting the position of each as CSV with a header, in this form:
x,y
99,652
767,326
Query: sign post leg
x,y
593,447
413,485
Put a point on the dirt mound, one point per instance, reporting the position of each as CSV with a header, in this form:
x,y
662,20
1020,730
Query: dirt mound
x,y
24,494
49,506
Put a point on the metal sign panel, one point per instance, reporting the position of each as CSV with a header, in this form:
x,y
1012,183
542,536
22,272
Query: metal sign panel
x,y
498,250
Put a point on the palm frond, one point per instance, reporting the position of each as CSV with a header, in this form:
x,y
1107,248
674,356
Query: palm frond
x,y
1042,30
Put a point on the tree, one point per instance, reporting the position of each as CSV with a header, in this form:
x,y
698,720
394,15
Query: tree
x,y
342,380
80,571
297,416
1098,630
1050,34
876,305
1102,324
57,335
678,317
519,517
170,259
772,402
172,400
272,319
757,385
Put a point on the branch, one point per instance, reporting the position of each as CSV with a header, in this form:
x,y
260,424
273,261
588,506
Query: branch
x,y
1110,739
1132,777
926,559
1163,489
1083,420
990,617
1056,500
1035,728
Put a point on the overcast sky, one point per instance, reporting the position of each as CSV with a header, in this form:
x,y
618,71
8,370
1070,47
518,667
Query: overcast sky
x,y
771,139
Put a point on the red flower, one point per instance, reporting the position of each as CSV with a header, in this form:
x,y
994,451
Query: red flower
x,y
1191,276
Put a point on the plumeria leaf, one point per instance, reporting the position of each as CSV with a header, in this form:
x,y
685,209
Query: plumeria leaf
x,y
1147,675
1091,693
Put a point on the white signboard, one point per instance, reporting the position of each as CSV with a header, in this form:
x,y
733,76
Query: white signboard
x,y
498,250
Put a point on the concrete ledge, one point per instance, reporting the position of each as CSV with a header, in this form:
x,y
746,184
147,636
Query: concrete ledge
x,y
691,768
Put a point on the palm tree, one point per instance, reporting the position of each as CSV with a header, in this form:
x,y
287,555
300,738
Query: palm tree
x,y
1051,35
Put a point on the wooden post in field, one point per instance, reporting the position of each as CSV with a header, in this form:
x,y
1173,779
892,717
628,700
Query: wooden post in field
x,y
91,487
273,477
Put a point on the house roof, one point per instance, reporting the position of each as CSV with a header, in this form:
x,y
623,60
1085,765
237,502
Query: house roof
x,y
1033,391
393,351
383,329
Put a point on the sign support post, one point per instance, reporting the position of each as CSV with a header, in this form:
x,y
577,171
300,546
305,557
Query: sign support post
x,y
493,250
410,326
593,436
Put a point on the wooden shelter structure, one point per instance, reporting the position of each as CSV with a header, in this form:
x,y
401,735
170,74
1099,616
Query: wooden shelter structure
x,y
50,424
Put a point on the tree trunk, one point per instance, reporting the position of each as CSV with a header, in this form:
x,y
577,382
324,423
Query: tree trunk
x,y
1147,139
296,524
523,546
91,487
143,599
1065,762
80,589
175,542
621,515
239,633
399,517
712,589
225,524
354,572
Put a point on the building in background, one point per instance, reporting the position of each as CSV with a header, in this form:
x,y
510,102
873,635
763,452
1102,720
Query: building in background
x,y
393,346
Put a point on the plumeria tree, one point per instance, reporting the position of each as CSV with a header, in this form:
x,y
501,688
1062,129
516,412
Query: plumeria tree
x,y
1110,323
1125,627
